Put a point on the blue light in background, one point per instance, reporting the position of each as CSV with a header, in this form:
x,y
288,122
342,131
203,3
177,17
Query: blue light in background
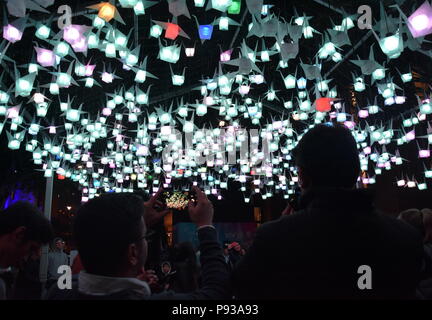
x,y
19,195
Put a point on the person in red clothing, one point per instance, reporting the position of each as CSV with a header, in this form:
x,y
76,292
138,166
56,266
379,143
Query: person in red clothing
x,y
77,265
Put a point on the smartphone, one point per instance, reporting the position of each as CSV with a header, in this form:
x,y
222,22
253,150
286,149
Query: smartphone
x,y
178,200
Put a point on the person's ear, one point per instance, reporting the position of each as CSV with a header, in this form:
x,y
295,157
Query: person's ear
x,y
133,254
304,180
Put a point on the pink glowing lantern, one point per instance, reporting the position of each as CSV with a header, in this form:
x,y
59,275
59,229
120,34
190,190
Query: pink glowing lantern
x,y
410,135
244,89
420,22
225,56
11,33
363,114
424,153
89,70
73,33
13,112
349,124
107,77
80,45
367,150
45,58
106,112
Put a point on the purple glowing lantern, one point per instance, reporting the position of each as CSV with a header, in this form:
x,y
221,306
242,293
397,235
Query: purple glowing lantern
x,y
89,70
420,22
225,56
424,154
45,57
11,33
80,45
74,34
363,114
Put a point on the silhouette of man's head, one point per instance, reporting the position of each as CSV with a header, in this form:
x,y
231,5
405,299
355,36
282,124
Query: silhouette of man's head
x,y
327,157
23,229
110,235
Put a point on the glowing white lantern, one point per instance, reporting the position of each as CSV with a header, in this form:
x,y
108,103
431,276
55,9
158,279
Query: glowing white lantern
x,y
190,52
290,82
392,46
301,83
110,50
63,80
43,32
359,85
407,77
73,115
201,110
378,74
156,31
223,23
178,80
61,49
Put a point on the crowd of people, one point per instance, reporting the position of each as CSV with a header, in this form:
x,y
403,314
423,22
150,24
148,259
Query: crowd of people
x,y
312,252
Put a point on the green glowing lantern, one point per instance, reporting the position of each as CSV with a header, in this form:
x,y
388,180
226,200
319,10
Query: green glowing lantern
x,y
359,85
139,8
33,67
406,77
43,32
98,22
392,46
378,74
110,50
169,54
223,23
156,31
61,49
93,41
426,108
178,80
290,81
201,110
54,88
89,82
63,80
41,109
73,115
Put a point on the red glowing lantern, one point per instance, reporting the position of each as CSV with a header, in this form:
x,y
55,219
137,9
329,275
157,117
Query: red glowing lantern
x,y
172,31
324,104
60,177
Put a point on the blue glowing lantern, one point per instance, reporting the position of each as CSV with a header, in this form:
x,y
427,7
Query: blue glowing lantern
x,y
205,31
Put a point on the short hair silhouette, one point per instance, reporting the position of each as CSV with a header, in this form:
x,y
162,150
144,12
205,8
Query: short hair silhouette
x,y
328,155
24,214
103,229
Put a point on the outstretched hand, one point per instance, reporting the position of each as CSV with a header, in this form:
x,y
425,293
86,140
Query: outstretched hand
x,y
155,210
201,210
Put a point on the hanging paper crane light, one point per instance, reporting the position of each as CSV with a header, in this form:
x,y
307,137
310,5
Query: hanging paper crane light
x,y
172,31
420,22
45,57
205,31
106,11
